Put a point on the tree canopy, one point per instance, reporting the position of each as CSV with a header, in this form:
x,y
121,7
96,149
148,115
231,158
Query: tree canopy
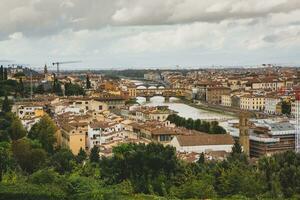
x,y
44,131
203,126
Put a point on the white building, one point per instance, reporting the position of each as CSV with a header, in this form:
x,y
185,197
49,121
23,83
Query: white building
x,y
101,132
28,111
271,105
203,143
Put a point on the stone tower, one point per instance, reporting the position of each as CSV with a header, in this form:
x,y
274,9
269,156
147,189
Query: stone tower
x,y
244,132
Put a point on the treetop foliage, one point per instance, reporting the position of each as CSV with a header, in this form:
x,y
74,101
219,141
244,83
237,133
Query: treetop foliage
x,y
198,125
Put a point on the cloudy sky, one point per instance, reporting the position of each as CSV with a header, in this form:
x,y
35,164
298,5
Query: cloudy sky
x,y
150,33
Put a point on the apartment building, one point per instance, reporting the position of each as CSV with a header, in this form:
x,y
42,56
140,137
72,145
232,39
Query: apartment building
x,y
226,100
158,113
252,102
214,94
272,105
28,109
73,136
267,83
101,132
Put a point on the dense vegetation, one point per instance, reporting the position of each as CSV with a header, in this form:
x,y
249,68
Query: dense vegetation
x,y
13,88
203,126
286,107
73,89
32,167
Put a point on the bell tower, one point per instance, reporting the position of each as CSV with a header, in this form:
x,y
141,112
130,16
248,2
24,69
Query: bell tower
x,y
244,132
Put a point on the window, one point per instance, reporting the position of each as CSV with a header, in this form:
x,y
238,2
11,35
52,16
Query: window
x,y
100,107
164,138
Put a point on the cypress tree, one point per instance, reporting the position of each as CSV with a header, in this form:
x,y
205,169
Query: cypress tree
x,y
1,73
81,156
5,74
57,87
88,82
94,156
6,105
201,159
237,148
21,87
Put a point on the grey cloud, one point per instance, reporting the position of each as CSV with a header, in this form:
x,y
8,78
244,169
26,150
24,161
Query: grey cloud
x,y
46,17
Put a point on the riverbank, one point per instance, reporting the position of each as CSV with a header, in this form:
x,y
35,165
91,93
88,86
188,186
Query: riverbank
x,y
185,110
207,107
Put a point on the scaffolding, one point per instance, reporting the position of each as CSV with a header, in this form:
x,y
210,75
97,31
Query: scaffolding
x,y
297,117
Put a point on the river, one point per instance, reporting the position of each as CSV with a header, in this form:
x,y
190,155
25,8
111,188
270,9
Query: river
x,y
183,109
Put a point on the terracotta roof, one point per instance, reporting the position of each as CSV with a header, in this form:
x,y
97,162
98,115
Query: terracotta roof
x,y
205,139
166,131
67,127
100,124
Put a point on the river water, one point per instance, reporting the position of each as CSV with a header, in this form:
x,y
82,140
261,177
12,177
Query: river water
x,y
183,109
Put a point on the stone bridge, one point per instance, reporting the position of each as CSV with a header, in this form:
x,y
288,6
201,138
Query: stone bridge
x,y
148,93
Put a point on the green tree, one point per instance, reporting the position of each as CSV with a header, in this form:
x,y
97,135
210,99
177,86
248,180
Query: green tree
x,y
57,87
17,130
205,126
73,89
237,148
5,158
196,189
94,155
5,74
63,161
216,129
6,106
44,176
150,168
286,107
39,89
88,82
240,180
44,131
21,88
189,123
197,125
1,73
201,159
29,158
81,156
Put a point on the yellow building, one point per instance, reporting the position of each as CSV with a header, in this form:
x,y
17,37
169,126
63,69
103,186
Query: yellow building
x,y
252,102
39,113
132,91
74,137
226,100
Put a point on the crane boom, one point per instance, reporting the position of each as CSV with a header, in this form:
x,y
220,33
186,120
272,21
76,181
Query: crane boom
x,y
65,62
